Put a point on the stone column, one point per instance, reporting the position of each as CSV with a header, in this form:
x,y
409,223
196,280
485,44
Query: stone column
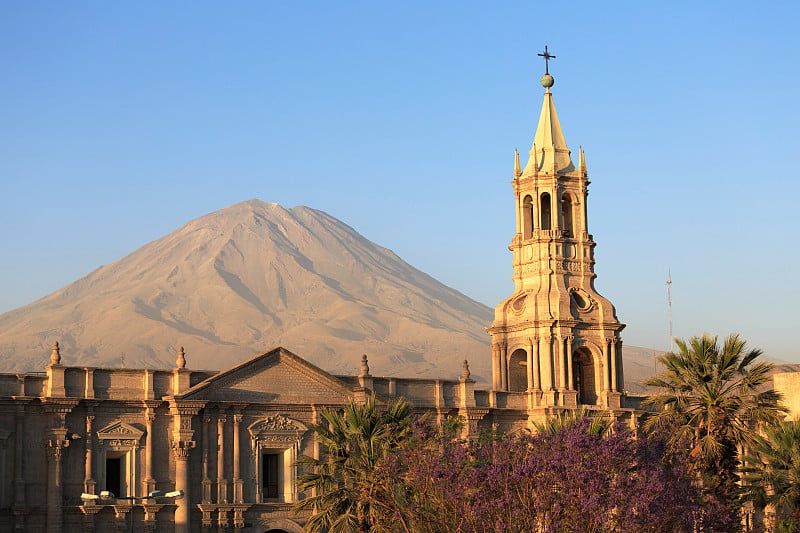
x,y
55,450
606,367
89,484
496,379
255,477
613,358
182,413
620,370
537,373
206,479
562,357
504,367
237,479
222,483
149,481
529,369
546,355
570,377
19,457
3,461
182,451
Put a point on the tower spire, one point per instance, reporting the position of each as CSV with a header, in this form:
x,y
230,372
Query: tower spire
x,y
517,170
549,151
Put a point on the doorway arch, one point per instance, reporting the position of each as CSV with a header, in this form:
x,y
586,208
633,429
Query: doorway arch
x,y
518,371
278,525
585,376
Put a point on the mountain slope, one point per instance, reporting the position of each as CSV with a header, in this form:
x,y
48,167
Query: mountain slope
x,y
247,278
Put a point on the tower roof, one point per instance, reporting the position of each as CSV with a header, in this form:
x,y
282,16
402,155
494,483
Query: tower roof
x,y
549,152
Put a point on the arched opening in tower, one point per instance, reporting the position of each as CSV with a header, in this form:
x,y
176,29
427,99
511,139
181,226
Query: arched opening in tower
x,y
518,371
584,374
527,217
545,211
566,214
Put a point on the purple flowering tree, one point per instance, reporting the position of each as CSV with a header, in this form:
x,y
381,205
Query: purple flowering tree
x,y
569,480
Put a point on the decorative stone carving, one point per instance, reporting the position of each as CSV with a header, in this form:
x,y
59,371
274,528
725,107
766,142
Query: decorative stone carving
x,y
55,448
119,435
277,431
182,449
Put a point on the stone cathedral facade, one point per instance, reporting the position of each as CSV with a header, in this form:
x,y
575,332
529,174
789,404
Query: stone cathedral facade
x,y
229,438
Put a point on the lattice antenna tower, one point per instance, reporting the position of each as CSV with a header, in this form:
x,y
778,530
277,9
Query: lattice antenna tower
x,y
669,305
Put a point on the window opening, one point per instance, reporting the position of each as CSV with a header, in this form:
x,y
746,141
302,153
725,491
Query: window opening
x,y
545,211
527,217
270,475
114,475
566,210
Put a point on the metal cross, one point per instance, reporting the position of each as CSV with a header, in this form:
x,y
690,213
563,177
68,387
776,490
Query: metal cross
x,y
547,57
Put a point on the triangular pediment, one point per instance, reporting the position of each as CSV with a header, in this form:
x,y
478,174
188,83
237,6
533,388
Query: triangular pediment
x,y
119,430
277,376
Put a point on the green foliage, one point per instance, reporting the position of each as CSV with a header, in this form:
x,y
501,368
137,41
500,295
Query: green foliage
x,y
714,399
772,472
349,493
599,421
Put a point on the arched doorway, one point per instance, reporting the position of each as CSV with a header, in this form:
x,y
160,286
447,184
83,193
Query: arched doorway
x,y
584,374
518,371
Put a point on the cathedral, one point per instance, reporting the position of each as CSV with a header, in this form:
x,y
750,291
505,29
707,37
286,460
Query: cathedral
x,y
176,450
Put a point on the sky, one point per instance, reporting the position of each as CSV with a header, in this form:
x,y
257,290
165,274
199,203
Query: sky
x,y
122,121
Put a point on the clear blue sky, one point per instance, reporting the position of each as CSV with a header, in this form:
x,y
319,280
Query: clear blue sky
x,y
121,121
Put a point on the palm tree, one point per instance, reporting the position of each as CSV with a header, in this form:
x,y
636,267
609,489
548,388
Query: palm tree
x,y
600,422
348,489
772,471
715,400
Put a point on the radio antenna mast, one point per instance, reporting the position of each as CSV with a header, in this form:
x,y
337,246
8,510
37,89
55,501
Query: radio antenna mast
x,y
669,304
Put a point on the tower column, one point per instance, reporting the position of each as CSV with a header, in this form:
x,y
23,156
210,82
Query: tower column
x,y
545,345
606,367
570,377
613,357
620,373
504,367
496,378
529,370
562,359
537,377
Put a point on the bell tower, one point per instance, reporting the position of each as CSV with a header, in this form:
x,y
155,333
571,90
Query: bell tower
x,y
555,339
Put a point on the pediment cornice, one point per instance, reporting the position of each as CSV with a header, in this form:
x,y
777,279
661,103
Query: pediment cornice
x,y
252,367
